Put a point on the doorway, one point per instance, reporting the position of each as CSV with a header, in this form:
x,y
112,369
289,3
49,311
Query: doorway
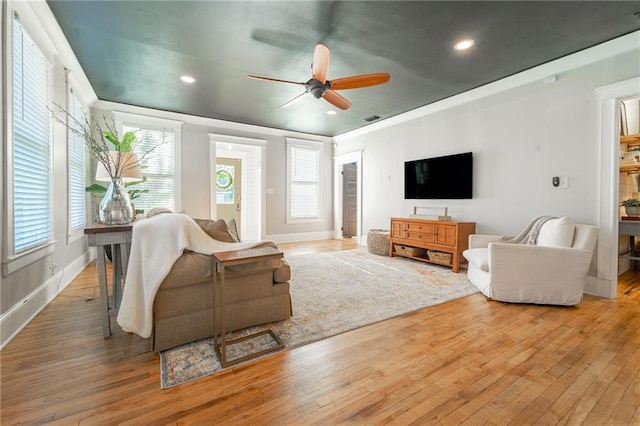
x,y
354,162
349,200
606,281
246,202
229,190
629,189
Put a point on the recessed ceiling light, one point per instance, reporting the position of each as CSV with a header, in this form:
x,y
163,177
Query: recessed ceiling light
x,y
464,44
331,112
187,79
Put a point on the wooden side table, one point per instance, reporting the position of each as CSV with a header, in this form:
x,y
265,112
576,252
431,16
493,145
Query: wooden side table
x,y
221,261
119,238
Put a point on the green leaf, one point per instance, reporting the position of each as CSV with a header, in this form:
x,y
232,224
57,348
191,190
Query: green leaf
x,y
111,138
128,139
135,182
95,188
135,193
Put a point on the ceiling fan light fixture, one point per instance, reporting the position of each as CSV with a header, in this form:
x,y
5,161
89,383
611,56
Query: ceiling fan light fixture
x,y
464,44
319,87
332,112
187,79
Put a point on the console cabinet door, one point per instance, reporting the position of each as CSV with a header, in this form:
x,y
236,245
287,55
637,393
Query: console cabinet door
x,y
398,229
446,235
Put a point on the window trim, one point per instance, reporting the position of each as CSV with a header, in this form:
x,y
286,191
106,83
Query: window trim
x,y
73,235
13,261
163,124
306,144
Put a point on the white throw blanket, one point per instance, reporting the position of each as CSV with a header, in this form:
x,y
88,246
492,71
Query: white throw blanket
x,y
530,233
156,244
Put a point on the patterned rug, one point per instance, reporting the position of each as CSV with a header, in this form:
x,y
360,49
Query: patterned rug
x,y
331,293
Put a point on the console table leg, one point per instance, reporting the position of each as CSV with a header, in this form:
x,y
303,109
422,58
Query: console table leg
x,y
104,292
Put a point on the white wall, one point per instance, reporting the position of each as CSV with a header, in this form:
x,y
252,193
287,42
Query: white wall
x,y
522,133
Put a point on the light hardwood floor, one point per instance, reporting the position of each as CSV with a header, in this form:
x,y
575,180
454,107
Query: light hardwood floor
x,y
468,361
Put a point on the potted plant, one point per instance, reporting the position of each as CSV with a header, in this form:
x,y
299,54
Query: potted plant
x,y
100,191
117,163
631,206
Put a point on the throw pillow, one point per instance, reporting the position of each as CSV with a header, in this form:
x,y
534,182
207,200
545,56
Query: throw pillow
x,y
217,229
556,233
233,228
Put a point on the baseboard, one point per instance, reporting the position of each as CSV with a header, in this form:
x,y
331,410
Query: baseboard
x,y
599,287
305,236
21,314
359,239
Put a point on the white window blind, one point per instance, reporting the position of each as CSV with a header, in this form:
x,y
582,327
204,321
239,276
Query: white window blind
x,y
304,182
158,168
77,171
31,150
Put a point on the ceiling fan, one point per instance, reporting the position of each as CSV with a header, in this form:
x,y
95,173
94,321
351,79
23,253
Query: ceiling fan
x,y
320,87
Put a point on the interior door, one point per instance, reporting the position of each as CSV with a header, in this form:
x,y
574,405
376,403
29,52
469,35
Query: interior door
x,y
349,200
228,189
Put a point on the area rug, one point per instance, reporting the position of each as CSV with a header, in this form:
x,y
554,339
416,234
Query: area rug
x,y
331,293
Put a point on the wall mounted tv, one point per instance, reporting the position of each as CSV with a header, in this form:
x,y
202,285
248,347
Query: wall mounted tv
x,y
443,178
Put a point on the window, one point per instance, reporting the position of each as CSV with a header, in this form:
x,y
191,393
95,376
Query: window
x,y
303,180
225,183
76,158
161,166
30,158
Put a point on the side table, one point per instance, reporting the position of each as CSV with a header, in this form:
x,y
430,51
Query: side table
x,y
221,261
119,238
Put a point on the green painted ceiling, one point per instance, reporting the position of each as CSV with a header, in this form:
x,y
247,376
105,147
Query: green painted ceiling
x,y
133,52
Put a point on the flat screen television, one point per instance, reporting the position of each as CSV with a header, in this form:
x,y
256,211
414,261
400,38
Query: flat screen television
x,y
446,178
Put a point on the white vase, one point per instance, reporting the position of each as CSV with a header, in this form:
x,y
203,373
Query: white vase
x,y
115,207
632,211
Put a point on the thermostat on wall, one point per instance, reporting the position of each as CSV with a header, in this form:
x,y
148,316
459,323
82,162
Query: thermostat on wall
x,y
560,181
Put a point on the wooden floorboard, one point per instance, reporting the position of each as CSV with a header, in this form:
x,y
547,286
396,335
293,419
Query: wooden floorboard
x,y
468,361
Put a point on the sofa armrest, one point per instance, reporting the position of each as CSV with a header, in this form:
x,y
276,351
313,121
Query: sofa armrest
x,y
536,274
482,241
282,273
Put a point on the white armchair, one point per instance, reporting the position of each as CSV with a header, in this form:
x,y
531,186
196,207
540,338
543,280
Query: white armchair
x,y
524,273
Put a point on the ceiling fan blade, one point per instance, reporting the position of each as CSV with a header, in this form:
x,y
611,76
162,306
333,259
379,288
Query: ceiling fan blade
x,y
336,100
357,81
295,100
257,77
320,64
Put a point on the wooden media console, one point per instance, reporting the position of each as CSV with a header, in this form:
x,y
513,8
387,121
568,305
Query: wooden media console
x,y
430,241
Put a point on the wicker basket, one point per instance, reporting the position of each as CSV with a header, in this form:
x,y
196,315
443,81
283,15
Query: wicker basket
x,y
440,257
378,242
408,251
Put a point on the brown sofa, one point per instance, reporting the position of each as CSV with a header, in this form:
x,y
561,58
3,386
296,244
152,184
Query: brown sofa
x,y
255,294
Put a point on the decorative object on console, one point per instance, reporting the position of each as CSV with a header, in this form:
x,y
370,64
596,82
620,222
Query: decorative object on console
x,y
116,207
433,213
631,206
120,164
